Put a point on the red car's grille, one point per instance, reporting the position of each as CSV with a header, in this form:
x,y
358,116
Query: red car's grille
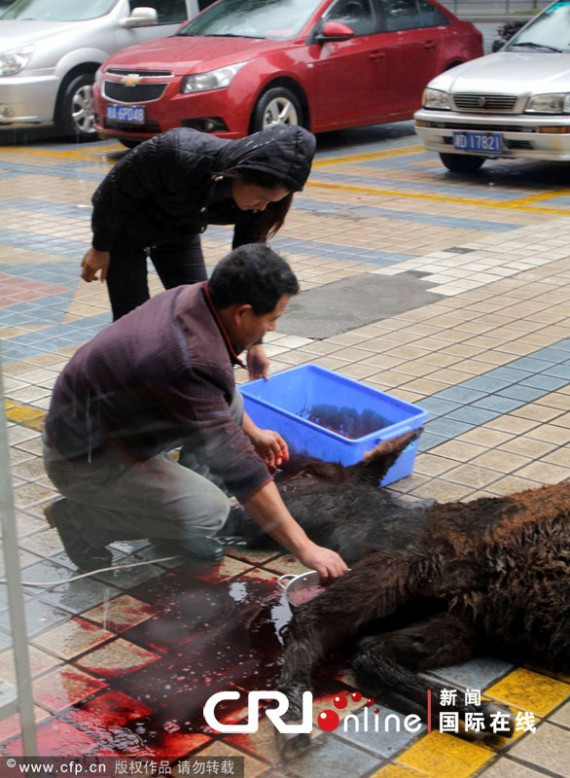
x,y
141,93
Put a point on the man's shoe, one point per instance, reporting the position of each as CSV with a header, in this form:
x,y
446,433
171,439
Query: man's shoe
x,y
84,556
201,548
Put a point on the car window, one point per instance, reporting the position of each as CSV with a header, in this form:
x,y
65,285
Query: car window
x,y
410,15
357,14
58,10
167,11
550,30
431,16
272,19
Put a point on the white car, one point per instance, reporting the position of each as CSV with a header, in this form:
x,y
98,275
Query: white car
x,y
513,103
51,49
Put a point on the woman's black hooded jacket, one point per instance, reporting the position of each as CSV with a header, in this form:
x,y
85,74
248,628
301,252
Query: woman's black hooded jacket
x,y
162,190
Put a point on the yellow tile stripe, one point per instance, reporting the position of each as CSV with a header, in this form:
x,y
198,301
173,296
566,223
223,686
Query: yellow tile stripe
x,y
522,204
75,154
514,205
442,755
366,157
518,204
26,415
530,691
446,756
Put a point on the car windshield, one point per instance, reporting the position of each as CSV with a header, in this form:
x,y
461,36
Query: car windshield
x,y
273,19
550,31
58,10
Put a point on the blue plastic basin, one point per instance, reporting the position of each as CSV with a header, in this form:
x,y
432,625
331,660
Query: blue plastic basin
x,y
310,406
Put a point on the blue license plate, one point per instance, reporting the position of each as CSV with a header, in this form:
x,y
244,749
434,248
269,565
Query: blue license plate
x,y
132,114
480,142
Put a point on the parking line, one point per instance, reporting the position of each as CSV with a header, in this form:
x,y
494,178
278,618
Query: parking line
x,y
367,157
516,205
80,155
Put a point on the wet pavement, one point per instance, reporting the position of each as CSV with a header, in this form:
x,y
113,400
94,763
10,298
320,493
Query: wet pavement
x,y
444,292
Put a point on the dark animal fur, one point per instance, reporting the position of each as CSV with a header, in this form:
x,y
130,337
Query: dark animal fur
x,y
434,585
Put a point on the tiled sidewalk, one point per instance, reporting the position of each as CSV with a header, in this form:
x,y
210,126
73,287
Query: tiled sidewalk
x,y
123,661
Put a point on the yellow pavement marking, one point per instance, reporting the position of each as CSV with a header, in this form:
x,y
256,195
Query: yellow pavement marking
x,y
544,196
446,756
516,205
81,155
366,157
530,691
26,415
522,203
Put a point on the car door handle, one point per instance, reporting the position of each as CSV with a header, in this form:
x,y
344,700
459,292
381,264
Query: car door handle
x,y
375,56
430,44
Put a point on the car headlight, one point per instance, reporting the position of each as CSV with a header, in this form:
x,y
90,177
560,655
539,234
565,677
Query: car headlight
x,y
15,60
435,98
213,79
551,103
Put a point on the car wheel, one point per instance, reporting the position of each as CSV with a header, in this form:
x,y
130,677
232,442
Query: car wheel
x,y
276,106
459,163
76,114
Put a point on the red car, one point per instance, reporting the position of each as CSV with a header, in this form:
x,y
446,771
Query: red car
x,y
242,65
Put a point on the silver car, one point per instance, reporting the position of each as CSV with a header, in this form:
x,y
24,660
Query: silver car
x,y
514,103
51,49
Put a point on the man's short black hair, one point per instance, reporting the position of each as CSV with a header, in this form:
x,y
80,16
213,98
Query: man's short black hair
x,y
252,274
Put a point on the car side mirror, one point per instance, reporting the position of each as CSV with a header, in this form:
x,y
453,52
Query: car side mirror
x,y
141,17
497,44
334,31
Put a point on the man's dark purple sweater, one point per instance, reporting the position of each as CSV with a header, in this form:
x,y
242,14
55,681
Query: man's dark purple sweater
x,y
161,374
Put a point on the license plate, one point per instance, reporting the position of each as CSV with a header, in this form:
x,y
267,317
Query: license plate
x,y
132,114
481,142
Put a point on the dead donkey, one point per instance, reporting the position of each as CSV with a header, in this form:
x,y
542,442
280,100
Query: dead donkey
x,y
430,585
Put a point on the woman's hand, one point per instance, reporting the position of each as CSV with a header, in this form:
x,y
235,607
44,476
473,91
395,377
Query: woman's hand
x,y
94,262
270,446
257,362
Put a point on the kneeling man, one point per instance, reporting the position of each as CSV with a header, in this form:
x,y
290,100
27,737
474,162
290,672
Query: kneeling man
x,y
162,377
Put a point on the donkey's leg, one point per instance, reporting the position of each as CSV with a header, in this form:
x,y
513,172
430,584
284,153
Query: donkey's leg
x,y
375,588
385,667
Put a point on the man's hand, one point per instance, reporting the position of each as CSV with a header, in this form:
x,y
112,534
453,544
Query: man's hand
x,y
270,446
267,508
327,563
257,362
94,262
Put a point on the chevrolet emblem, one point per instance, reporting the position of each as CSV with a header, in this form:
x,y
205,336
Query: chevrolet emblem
x,y
131,80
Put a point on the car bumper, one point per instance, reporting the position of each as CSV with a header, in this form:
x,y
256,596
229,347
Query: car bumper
x,y
27,100
174,109
531,137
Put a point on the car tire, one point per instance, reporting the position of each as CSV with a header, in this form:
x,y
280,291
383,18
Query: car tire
x,y
462,163
75,116
276,106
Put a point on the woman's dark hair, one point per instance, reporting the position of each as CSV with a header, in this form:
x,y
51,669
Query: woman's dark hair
x,y
252,274
275,213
